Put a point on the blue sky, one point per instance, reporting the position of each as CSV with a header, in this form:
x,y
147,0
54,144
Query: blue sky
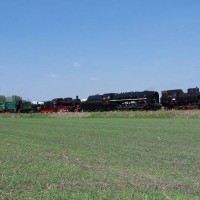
x,y
61,48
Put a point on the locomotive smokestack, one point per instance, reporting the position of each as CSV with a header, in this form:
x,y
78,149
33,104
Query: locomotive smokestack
x,y
76,97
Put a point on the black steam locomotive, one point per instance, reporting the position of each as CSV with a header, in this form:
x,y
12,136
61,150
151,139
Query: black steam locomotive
x,y
147,100
60,105
177,99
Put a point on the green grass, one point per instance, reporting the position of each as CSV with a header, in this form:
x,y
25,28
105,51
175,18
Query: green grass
x,y
99,158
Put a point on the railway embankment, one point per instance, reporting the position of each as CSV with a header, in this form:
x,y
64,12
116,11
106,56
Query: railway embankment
x,y
112,114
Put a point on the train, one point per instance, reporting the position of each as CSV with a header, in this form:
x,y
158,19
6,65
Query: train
x,y
60,105
14,104
126,101
177,99
146,100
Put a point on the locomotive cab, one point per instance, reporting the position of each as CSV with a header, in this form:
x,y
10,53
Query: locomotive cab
x,y
193,90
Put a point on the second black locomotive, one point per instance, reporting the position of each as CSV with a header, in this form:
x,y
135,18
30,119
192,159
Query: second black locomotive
x,y
146,100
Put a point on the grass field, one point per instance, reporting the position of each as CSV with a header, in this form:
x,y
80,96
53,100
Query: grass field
x,y
100,156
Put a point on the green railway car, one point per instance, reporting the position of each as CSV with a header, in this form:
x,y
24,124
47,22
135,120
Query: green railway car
x,y
14,104
11,107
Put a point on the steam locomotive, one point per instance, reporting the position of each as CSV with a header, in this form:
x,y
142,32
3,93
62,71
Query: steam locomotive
x,y
177,99
146,100
60,105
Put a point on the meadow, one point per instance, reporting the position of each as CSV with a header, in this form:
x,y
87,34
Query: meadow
x,y
119,155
